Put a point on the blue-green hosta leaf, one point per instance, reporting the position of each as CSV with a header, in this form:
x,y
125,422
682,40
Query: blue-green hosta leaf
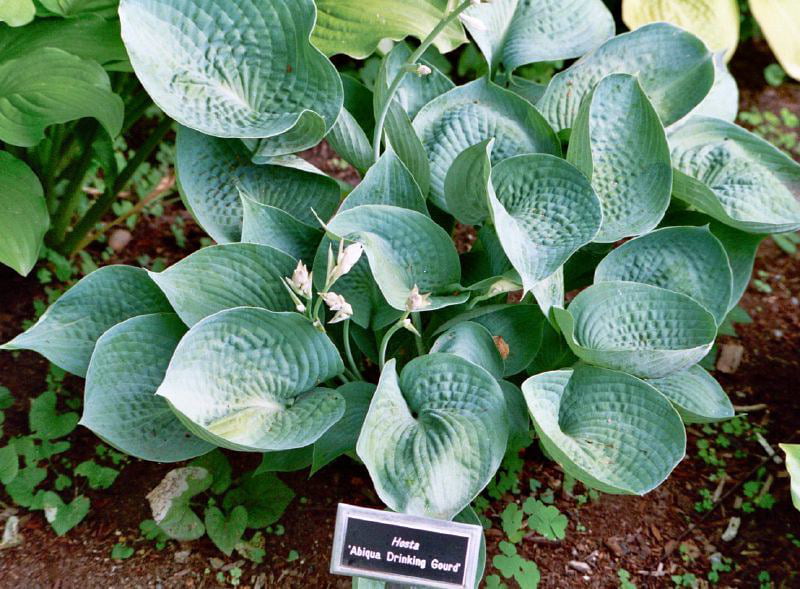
x,y
405,249
226,276
735,176
76,88
467,182
268,225
473,342
88,37
67,332
689,260
403,139
518,326
285,460
518,32
388,182
343,435
355,27
244,379
519,423
472,113
544,210
618,142
23,214
349,140
611,431
675,69
549,293
641,329
696,395
433,438
231,68
120,404
17,13
722,101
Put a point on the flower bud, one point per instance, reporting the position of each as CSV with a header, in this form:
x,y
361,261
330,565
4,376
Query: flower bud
x,y
409,326
337,303
348,257
417,301
301,280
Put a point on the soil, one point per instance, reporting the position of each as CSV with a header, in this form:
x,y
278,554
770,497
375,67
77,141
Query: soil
x,y
652,537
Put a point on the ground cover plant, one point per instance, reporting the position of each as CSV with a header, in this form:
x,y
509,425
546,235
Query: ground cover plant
x,y
321,326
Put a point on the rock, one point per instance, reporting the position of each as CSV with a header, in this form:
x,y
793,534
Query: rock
x,y
732,530
119,239
216,563
182,556
730,356
579,566
11,535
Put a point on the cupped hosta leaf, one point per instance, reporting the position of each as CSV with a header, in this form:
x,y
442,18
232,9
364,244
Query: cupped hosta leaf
x,y
235,68
401,136
519,423
433,438
226,276
689,260
675,69
88,37
405,249
473,113
611,431
76,88
355,27
696,395
23,214
17,12
518,32
715,21
120,404
473,342
67,332
722,101
268,225
618,142
388,182
467,181
793,466
644,330
519,327
735,176
779,20
349,140
244,379
343,435
544,210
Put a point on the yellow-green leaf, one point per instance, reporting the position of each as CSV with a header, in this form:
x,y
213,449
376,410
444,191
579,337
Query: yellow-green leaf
x,y
780,23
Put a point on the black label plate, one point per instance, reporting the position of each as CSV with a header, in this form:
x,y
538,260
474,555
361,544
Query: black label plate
x,y
405,549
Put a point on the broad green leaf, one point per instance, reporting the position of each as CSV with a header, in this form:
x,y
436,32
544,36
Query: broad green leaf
x,y
611,431
46,422
233,275
473,113
61,516
547,520
169,502
264,496
70,8
433,439
218,467
226,532
235,69
405,249
120,404
98,477
17,12
779,20
67,332
9,464
519,32
641,329
23,214
343,435
544,210
355,27
76,88
696,395
715,21
618,142
689,260
88,37
473,342
793,466
674,68
286,460
244,379
467,182
519,326
735,176
21,488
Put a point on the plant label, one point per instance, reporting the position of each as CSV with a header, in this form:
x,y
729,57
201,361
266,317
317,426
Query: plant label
x,y
405,549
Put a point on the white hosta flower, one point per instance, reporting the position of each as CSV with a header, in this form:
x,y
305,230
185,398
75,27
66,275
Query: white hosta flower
x,y
417,301
348,257
337,303
301,280
473,23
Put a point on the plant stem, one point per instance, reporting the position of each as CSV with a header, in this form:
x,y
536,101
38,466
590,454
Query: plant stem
x,y
380,120
349,352
388,336
416,319
99,208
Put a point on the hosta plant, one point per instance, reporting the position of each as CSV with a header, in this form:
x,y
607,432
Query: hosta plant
x,y
333,320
